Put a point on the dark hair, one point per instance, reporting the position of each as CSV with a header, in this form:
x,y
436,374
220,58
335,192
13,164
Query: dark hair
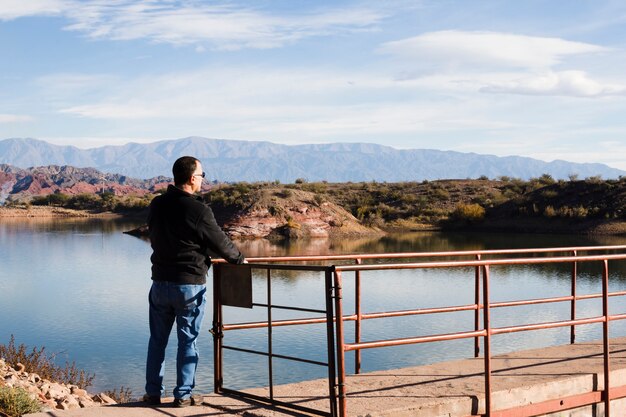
x,y
183,169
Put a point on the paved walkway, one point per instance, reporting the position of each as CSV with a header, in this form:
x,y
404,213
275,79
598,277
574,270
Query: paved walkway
x,y
454,388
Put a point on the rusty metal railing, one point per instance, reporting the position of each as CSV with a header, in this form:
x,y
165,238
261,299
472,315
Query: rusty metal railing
x,y
482,267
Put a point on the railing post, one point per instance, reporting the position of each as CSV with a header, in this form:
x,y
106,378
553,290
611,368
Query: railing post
x,y
605,337
477,311
218,376
269,334
357,311
330,340
341,353
572,337
487,341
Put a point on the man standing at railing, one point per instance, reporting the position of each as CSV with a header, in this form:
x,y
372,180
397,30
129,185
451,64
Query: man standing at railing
x,y
183,233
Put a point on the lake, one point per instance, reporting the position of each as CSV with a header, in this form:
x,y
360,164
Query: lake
x,y
79,288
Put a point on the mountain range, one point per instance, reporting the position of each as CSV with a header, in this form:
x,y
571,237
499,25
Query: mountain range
x,y
236,160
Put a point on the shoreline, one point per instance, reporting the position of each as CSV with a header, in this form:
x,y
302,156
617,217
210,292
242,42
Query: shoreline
x,y
515,225
52,213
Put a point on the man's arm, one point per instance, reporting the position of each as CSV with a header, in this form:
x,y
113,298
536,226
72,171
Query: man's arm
x,y
216,240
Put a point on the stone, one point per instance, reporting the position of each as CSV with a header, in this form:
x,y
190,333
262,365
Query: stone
x,y
103,399
86,402
10,380
78,391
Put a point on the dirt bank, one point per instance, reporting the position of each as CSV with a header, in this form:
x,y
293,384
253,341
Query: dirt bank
x,y
51,212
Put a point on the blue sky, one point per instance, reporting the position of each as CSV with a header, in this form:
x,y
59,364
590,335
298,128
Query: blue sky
x,y
538,78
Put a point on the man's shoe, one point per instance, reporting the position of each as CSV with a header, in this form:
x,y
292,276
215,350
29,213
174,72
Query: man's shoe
x,y
193,400
152,399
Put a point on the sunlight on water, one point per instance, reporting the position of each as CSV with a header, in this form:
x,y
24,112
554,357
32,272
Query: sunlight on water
x,y
79,288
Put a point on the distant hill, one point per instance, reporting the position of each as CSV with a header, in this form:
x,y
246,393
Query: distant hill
x,y
23,183
232,160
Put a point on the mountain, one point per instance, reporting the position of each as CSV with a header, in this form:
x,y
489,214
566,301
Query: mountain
x,y
233,160
49,179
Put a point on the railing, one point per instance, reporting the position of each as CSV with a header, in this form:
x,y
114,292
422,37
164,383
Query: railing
x,y
482,268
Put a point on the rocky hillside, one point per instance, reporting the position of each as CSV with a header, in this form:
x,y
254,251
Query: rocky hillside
x,y
278,212
17,183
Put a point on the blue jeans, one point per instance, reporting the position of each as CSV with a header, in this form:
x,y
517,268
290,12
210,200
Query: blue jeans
x,y
184,304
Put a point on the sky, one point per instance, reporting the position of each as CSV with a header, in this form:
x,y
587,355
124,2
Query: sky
x,y
539,78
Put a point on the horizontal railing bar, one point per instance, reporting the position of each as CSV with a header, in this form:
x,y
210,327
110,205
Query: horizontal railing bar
x,y
315,268
274,355
271,401
428,254
465,335
351,317
413,340
532,301
308,310
489,262
275,323
400,313
589,296
551,406
553,299
560,404
549,325
616,317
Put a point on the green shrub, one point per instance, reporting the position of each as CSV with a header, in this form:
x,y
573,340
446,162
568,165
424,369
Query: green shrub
x,y
549,194
549,212
441,194
39,200
15,402
108,200
546,179
596,179
84,202
122,397
292,224
469,212
284,193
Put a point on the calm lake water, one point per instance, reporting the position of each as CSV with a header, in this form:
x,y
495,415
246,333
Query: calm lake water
x,y
79,288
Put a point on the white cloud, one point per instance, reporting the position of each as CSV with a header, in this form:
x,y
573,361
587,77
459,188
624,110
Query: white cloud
x,y
220,26
14,118
13,9
503,63
564,83
453,48
118,111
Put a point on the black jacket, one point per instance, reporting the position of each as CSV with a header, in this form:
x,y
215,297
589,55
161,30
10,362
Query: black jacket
x,y
183,235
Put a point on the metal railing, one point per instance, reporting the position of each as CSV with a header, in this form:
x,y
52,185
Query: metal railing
x,y
482,263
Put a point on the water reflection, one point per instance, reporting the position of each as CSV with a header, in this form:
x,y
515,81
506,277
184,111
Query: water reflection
x,y
79,287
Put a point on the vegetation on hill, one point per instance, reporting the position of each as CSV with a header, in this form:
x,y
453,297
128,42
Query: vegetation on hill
x,y
538,204
106,201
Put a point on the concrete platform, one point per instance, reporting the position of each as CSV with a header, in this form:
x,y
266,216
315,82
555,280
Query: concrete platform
x,y
452,389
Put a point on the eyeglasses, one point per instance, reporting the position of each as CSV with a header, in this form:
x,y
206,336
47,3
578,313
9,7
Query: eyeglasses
x,y
200,175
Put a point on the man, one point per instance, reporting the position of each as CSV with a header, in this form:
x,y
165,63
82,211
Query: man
x,y
183,234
